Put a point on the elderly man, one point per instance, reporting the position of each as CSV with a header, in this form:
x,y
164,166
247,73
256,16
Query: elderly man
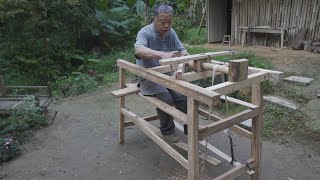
x,y
154,42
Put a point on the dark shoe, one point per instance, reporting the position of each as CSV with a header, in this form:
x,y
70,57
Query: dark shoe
x,y
171,138
185,129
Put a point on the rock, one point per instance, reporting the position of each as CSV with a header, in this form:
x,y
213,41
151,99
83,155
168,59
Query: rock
x,y
281,101
247,124
299,80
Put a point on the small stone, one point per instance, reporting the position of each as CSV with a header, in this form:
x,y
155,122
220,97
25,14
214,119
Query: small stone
x,y
299,80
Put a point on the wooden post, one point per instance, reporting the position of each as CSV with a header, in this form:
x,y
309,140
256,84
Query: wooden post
x,y
257,123
2,86
282,37
49,89
37,99
193,139
121,105
238,70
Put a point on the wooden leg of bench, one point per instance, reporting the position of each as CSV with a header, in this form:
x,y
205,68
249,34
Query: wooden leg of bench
x,y
122,105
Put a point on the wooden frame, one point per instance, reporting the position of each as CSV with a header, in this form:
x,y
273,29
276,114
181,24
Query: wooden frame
x,y
9,101
213,95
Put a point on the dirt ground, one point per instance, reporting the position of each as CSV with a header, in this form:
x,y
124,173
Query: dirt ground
x,y
82,142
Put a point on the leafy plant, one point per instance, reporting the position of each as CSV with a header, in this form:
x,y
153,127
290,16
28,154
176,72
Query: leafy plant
x,y
75,84
9,149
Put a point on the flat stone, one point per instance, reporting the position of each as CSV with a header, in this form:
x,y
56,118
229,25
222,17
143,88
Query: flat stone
x,y
247,124
299,80
281,101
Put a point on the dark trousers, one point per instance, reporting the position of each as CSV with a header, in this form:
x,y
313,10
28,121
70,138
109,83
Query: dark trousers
x,y
174,99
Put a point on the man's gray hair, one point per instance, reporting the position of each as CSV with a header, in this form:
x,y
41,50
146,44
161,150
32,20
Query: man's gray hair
x,y
162,8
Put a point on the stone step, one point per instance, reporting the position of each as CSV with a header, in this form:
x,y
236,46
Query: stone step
x,y
281,101
299,80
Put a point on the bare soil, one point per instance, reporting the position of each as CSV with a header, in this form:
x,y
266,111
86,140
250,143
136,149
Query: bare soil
x,y
82,142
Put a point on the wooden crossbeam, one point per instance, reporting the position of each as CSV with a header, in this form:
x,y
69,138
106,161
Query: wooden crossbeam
x,y
185,88
229,121
239,102
235,128
193,76
209,159
143,125
148,119
178,60
236,171
229,87
180,116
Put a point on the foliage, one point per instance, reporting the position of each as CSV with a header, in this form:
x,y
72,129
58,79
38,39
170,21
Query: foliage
x,y
75,84
180,25
46,39
193,38
8,149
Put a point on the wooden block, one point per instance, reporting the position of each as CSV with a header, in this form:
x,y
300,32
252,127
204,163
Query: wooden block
x,y
238,70
180,71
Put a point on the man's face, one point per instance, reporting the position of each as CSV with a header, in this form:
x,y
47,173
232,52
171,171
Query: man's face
x,y
163,23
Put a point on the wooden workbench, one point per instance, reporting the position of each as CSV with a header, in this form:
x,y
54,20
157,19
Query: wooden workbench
x,y
246,32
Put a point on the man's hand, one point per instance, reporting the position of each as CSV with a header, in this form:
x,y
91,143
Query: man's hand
x,y
166,55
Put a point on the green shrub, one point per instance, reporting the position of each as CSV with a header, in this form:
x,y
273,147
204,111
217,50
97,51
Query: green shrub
x,y
76,84
8,149
193,38
181,25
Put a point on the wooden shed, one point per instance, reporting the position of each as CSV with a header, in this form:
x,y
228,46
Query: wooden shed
x,y
233,16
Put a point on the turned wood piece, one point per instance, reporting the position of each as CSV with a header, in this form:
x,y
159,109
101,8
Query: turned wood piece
x,y
219,68
238,70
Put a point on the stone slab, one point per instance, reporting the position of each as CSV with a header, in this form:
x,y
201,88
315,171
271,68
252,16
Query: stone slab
x,y
299,80
281,101
247,124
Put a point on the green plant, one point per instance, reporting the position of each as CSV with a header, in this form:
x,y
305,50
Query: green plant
x,y
75,84
9,149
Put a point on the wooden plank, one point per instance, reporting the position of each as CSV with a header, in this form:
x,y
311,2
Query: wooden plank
x,y
26,87
235,128
179,115
193,139
235,172
229,121
162,69
185,88
257,124
182,59
193,76
229,87
209,159
143,125
132,89
239,102
122,84
148,119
